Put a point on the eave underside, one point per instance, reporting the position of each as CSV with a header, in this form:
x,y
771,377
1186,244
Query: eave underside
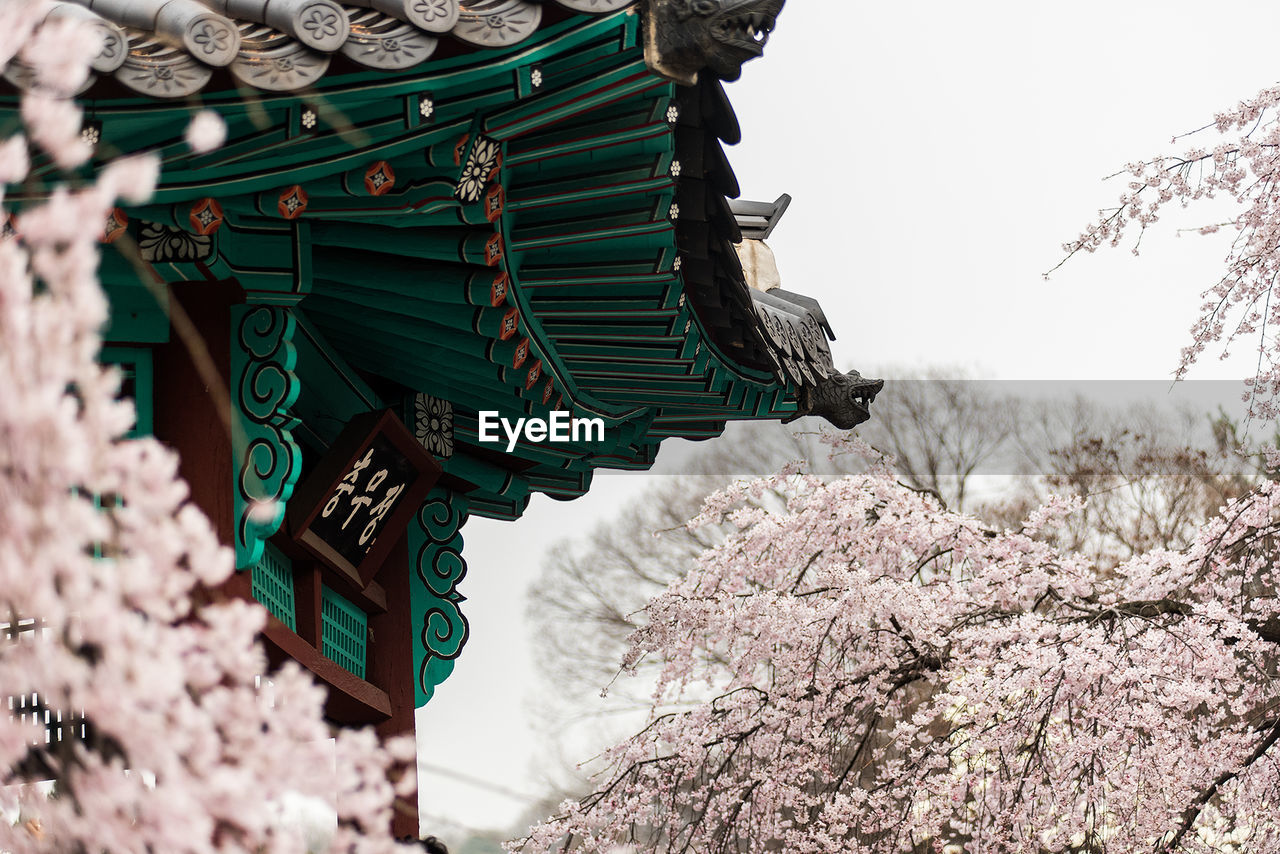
x,y
542,228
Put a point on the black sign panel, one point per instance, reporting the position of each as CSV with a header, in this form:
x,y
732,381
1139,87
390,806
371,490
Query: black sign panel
x,y
360,497
361,502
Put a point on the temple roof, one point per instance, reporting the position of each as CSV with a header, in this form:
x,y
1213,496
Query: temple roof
x,y
757,220
777,331
174,48
544,227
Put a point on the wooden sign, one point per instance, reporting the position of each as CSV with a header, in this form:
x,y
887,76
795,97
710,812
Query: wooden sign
x,y
361,496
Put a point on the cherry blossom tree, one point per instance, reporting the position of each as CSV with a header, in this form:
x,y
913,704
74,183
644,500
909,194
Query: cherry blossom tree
x,y
863,669
593,588
1151,477
142,717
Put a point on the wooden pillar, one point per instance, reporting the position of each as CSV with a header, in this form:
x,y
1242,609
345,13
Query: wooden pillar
x,y
190,413
390,666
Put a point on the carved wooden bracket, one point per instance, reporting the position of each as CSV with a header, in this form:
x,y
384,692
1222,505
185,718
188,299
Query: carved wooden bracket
x,y
263,389
435,554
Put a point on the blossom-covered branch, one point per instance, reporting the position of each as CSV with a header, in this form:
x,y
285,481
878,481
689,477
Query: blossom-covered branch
x,y
1244,169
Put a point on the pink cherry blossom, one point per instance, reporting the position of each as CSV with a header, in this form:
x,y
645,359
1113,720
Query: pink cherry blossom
x,y
864,670
1237,162
176,738
206,132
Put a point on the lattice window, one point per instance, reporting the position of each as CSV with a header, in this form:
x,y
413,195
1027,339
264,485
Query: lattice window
x,y
344,632
137,382
273,585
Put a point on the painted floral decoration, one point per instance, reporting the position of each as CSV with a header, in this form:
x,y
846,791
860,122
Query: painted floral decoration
x,y
480,167
293,201
433,424
117,222
157,242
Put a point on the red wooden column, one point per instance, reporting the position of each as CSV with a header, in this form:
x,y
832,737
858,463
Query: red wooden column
x,y
390,666
191,414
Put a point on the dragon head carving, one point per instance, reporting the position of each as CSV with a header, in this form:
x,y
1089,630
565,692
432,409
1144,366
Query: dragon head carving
x,y
843,399
686,36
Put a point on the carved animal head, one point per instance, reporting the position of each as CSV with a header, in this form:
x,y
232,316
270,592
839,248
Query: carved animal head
x,y
843,399
687,36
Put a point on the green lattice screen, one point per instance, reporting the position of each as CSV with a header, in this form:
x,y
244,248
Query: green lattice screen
x,y
136,381
273,585
344,631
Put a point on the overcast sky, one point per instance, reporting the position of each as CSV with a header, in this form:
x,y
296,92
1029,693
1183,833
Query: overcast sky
x,y
938,154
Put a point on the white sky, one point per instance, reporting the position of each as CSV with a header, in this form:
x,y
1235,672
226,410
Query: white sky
x,y
938,154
